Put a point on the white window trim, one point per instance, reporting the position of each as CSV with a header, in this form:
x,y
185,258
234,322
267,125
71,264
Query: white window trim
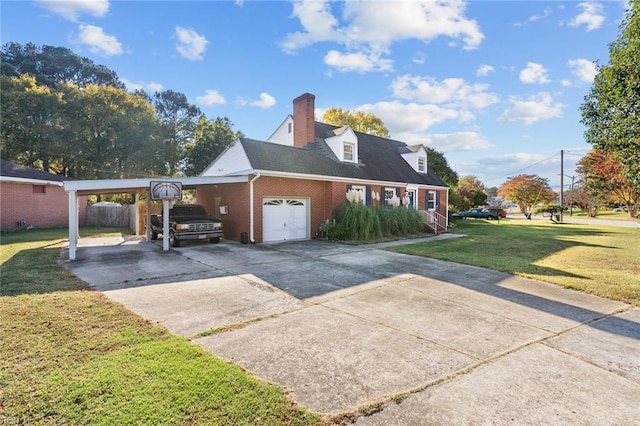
x,y
353,152
429,198
424,165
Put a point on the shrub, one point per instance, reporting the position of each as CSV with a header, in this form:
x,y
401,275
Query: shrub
x,y
355,221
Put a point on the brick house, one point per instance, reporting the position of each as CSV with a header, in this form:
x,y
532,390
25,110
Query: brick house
x,y
32,197
302,173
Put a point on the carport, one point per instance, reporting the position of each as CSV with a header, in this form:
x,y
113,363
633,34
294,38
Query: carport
x,y
77,188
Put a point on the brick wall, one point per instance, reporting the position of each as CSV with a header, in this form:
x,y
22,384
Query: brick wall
x,y
41,206
233,195
324,197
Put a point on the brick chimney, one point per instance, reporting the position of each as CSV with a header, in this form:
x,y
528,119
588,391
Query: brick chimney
x,y
303,119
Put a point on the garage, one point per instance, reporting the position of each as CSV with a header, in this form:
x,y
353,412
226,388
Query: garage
x,y
285,219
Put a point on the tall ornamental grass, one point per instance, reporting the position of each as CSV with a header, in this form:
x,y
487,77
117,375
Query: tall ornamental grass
x,y
357,222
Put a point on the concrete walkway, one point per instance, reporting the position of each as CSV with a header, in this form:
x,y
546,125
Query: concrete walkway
x,y
407,340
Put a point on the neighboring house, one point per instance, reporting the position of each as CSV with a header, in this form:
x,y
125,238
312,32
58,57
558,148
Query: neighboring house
x,y
302,173
32,198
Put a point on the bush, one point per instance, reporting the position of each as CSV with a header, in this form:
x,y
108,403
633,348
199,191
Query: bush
x,y
355,221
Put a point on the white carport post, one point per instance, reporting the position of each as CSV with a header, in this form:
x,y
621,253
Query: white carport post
x,y
73,224
165,225
148,222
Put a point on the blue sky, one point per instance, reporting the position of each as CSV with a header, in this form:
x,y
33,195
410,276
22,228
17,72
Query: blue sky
x,y
495,85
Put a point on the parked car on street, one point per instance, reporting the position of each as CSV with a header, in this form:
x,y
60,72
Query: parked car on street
x,y
481,213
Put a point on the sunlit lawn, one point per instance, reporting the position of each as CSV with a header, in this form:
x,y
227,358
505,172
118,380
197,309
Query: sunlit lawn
x,y
69,355
601,260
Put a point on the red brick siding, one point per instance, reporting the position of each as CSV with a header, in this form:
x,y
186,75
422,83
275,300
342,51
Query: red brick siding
x,y
234,195
41,210
324,197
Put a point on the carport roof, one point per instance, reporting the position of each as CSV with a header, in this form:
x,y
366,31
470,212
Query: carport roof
x,y
105,186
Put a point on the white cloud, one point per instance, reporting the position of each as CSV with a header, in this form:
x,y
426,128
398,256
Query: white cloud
x,y
191,45
535,108
534,73
545,14
211,97
150,87
72,9
99,43
484,70
455,92
584,69
565,83
358,62
592,16
266,101
451,142
411,117
372,27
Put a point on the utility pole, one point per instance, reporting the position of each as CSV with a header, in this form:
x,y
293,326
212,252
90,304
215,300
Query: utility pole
x,y
561,183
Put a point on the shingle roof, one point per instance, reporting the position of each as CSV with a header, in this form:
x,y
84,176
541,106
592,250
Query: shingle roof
x,y
10,169
379,159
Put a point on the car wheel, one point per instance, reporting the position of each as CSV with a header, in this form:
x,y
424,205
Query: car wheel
x,y
173,241
215,240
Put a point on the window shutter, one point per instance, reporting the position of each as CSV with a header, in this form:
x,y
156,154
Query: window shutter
x,y
367,199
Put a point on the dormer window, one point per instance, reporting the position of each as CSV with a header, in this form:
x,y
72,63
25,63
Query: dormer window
x,y
421,164
347,152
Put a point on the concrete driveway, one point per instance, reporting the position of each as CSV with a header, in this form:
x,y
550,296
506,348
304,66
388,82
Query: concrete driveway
x,y
407,340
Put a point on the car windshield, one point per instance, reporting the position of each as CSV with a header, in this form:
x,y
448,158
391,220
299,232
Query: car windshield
x,y
189,211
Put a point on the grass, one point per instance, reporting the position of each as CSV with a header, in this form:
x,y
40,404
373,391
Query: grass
x,y
69,355
601,260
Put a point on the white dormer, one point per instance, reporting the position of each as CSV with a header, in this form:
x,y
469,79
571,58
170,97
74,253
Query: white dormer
x,y
284,133
416,157
344,144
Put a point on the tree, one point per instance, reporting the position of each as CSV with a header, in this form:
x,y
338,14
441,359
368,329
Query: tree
x,y
527,191
178,119
472,190
602,173
589,200
51,65
31,122
210,138
358,121
437,163
610,110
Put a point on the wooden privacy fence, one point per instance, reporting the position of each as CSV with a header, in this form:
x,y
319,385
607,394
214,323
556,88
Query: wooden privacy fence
x,y
112,216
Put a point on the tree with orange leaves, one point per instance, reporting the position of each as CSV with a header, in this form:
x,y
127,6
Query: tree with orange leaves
x,y
527,191
600,171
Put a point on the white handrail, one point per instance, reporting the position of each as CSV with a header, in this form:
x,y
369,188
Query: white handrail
x,y
435,220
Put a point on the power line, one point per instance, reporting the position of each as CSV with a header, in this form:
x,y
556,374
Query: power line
x,y
522,169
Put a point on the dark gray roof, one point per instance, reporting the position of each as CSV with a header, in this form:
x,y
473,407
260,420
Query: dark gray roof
x,y
10,169
379,159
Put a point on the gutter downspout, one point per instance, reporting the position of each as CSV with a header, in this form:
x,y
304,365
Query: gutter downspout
x,y
251,224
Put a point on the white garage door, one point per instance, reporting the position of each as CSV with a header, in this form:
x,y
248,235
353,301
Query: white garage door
x,y
284,219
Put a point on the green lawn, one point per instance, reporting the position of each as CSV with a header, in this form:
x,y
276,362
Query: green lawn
x,y
69,355
600,260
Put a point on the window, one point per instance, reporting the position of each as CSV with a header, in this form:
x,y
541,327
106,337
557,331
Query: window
x,y
421,164
431,200
388,195
39,189
347,152
289,128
